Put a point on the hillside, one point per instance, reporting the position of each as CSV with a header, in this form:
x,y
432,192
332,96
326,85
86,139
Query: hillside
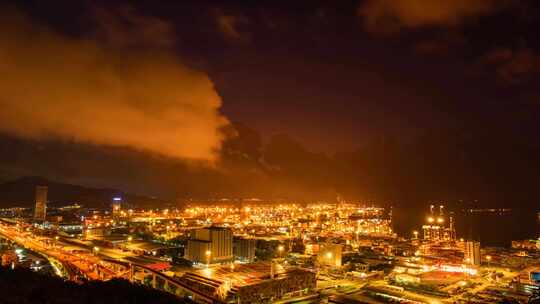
x,y
22,286
20,193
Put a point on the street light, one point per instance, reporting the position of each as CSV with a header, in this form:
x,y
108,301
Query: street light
x,y
130,238
280,249
415,234
488,258
208,253
96,250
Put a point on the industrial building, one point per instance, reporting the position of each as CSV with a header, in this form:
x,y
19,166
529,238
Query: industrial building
x,y
251,283
210,245
472,253
330,255
436,228
244,249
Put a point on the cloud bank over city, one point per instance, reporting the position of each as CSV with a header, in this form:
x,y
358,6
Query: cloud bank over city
x,y
94,91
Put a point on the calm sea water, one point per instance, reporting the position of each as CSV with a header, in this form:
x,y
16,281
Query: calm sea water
x,y
491,229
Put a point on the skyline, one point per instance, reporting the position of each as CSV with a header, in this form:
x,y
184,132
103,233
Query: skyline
x,y
257,252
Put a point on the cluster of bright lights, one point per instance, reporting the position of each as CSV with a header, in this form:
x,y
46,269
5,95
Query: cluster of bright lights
x,y
285,219
439,220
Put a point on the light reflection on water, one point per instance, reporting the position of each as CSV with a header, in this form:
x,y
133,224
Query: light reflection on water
x,y
491,228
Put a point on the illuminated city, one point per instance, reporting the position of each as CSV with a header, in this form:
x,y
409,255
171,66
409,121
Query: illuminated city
x,y
253,251
287,152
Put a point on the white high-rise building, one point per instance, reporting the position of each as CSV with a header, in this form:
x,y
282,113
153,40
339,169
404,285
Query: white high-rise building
x,y
210,245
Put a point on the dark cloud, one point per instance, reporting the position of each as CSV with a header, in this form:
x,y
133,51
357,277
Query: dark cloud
x,y
124,27
442,45
513,66
229,26
387,16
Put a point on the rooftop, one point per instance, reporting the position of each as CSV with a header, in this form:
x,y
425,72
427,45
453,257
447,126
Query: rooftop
x,y
242,274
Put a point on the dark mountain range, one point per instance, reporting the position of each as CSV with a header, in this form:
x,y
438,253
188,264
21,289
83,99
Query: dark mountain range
x,y
21,193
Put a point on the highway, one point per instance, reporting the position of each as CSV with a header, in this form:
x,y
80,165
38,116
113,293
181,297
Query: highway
x,y
83,263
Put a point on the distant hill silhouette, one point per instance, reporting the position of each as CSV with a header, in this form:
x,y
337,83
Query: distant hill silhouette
x,y
21,193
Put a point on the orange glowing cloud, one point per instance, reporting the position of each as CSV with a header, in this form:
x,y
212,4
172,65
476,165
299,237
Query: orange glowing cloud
x,y
90,91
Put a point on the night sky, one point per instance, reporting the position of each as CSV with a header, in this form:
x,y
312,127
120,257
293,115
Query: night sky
x,y
397,102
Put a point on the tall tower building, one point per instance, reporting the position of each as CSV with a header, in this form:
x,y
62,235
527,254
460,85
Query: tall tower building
x,y
116,208
40,211
538,214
